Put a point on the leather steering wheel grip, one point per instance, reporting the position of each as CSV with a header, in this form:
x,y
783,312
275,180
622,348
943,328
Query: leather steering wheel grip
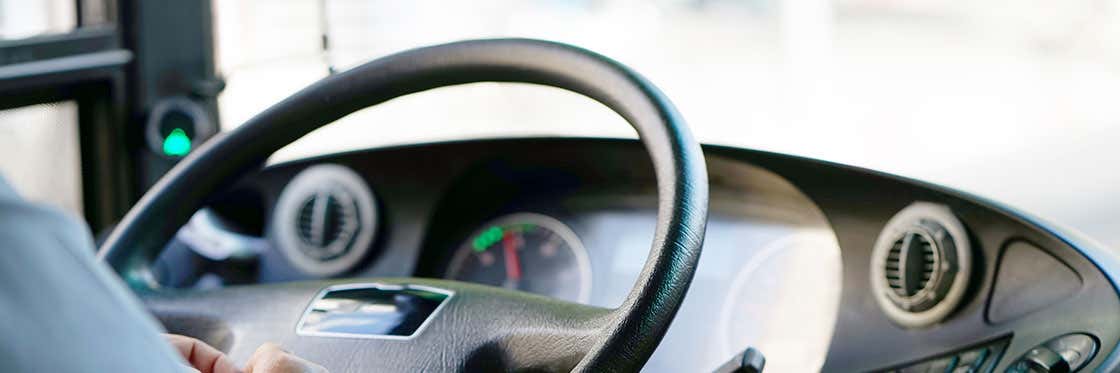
x,y
636,327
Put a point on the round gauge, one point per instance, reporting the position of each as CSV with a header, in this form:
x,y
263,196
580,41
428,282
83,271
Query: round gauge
x,y
783,300
528,252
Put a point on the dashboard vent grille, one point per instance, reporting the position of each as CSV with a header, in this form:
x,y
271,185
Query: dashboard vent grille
x,y
912,277
920,264
327,223
325,220
894,278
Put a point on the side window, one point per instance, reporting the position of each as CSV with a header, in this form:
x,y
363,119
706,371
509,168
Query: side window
x,y
23,18
83,81
39,153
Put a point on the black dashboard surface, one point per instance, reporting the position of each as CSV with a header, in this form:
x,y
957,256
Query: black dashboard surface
x,y
786,262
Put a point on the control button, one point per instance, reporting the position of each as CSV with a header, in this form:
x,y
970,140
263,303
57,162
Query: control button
x,y
943,365
1067,353
965,369
971,361
1076,349
1040,359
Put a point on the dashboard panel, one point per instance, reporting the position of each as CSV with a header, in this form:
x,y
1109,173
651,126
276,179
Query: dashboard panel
x,y
769,254
789,264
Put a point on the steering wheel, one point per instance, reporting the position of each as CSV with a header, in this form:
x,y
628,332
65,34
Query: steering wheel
x,y
475,327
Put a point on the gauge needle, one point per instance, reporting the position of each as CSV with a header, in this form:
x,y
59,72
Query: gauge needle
x,y
513,263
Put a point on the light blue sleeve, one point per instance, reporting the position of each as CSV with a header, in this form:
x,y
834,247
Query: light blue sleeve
x,y
60,309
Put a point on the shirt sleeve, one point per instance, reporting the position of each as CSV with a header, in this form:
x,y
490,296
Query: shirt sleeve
x,y
60,309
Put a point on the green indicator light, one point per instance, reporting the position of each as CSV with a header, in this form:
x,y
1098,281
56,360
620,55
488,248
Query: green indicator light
x,y
487,238
177,143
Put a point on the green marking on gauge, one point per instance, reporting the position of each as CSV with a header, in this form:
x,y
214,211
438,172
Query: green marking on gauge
x,y
488,237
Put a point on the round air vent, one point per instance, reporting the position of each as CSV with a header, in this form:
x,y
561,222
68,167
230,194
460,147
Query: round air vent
x,y
920,265
327,224
324,220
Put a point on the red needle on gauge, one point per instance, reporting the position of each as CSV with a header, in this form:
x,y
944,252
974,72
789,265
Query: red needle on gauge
x,y
513,263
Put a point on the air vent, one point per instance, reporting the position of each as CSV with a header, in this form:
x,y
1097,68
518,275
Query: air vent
x,y
327,224
324,220
915,267
920,265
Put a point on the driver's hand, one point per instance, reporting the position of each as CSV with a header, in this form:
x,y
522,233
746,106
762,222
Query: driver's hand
x,y
269,358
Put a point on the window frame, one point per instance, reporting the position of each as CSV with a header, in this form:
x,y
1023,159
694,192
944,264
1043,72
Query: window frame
x,y
116,64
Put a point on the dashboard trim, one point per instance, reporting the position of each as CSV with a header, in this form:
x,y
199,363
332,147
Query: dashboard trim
x,y
836,188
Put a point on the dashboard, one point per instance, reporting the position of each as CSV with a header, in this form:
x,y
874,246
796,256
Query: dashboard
x,y
819,266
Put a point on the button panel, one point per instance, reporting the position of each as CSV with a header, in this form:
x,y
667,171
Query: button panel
x,y
976,359
1064,354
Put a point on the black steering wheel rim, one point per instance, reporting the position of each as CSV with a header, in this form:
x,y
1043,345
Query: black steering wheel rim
x,y
633,330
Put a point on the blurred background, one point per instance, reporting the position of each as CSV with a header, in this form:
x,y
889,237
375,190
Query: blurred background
x,y
1013,100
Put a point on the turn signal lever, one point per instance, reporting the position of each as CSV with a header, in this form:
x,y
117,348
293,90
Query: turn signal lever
x,y
750,361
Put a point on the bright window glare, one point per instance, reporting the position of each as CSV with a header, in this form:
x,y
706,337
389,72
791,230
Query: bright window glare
x,y
39,154
26,18
1012,100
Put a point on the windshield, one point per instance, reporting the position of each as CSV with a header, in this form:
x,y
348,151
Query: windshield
x,y
1011,100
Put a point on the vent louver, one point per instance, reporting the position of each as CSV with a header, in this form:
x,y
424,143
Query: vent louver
x,y
325,220
912,270
327,223
920,265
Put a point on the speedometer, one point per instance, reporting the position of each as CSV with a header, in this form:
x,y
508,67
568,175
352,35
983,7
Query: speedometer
x,y
528,252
